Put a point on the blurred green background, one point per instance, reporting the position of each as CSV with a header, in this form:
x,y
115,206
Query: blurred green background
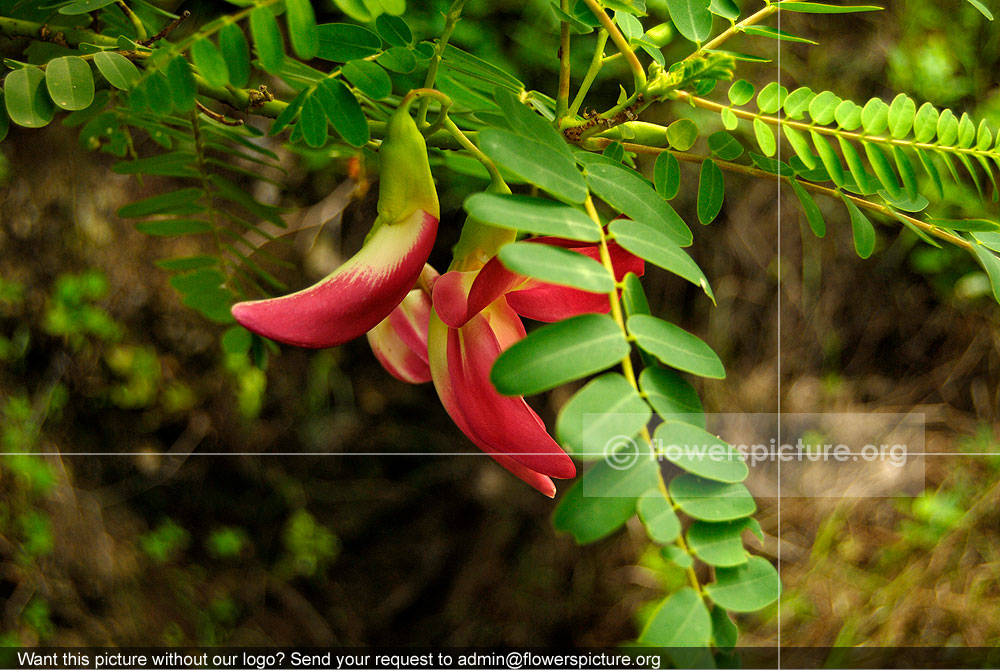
x,y
181,541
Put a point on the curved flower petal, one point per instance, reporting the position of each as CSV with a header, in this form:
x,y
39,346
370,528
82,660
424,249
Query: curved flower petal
x,y
504,427
451,297
355,297
461,295
549,303
399,342
540,483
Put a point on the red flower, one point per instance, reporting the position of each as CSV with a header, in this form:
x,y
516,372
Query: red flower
x,y
475,318
364,290
399,342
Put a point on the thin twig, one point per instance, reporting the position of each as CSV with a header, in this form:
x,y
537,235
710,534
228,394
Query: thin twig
x,y
562,97
733,30
140,29
810,186
451,20
623,46
596,63
216,116
169,28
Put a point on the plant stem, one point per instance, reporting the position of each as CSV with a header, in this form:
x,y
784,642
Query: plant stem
x,y
70,35
629,372
734,29
623,46
588,79
469,146
809,186
451,20
140,29
562,98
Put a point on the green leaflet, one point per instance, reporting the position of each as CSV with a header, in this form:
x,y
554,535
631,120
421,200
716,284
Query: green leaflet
x,y
708,500
653,246
606,408
829,157
682,620
302,30
667,175
875,116
343,110
557,265
813,214
692,18
771,98
699,452
991,263
369,78
925,123
605,497
532,215
741,92
776,34
746,588
883,170
658,517
536,162
118,70
800,145
559,352
864,231
682,134
675,347
711,192
725,146
823,107
70,82
26,98
848,115
341,42
236,52
719,544
981,8
671,396
797,102
313,121
182,87
173,202
393,30
821,8
862,179
901,115
267,39
632,195
765,137
210,62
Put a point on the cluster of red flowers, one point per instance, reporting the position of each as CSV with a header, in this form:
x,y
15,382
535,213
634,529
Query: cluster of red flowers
x,y
448,329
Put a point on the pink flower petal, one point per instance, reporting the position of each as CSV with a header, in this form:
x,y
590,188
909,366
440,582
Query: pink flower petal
x,y
499,425
549,303
399,342
355,297
451,297
458,296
